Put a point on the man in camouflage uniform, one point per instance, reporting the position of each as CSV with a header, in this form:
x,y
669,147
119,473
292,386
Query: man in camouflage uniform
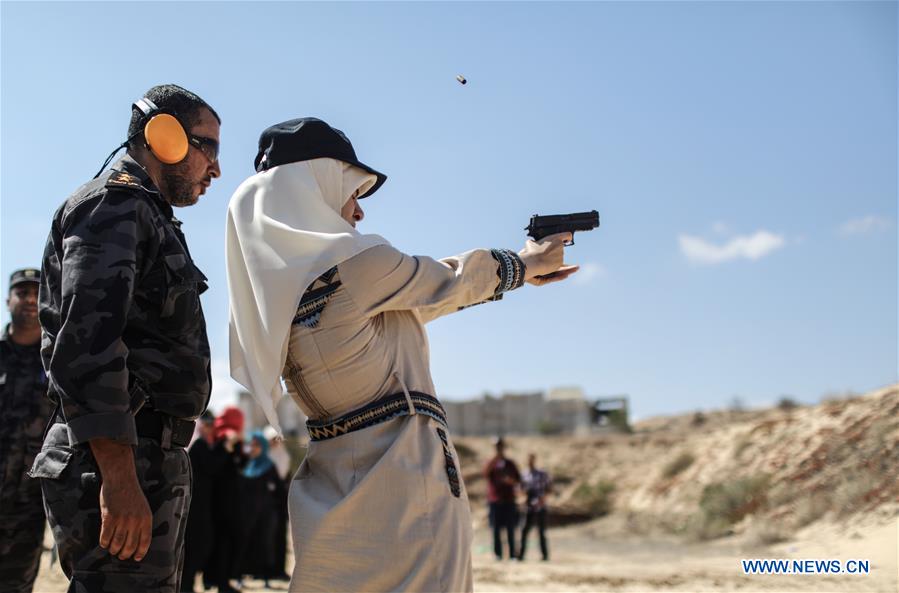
x,y
25,410
125,348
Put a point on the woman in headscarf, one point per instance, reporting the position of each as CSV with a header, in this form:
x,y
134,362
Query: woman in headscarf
x,y
378,503
263,492
223,569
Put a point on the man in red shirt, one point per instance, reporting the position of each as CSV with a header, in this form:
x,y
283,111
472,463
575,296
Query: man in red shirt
x,y
502,480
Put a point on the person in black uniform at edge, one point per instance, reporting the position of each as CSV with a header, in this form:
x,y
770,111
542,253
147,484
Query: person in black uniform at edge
x,y
200,537
25,410
126,352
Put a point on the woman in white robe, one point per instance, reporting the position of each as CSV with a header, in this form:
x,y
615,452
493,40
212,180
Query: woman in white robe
x,y
378,504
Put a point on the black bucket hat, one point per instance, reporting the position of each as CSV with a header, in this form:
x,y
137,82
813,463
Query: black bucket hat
x,y
305,139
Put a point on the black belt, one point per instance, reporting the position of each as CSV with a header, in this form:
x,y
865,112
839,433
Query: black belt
x,y
168,430
382,410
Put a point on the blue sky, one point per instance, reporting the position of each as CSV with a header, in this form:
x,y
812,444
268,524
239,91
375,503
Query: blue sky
x,y
742,156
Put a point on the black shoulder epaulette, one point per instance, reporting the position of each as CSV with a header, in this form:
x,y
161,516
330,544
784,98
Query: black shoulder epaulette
x,y
123,179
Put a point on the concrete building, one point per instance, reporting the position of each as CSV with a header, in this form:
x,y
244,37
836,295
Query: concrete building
x,y
563,411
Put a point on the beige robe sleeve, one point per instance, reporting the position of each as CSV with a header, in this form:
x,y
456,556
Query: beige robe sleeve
x,y
385,279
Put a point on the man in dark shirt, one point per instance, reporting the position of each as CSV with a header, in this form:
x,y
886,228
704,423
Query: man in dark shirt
x,y
25,410
125,348
502,479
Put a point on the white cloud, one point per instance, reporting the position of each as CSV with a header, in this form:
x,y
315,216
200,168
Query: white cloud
x,y
865,225
588,273
752,247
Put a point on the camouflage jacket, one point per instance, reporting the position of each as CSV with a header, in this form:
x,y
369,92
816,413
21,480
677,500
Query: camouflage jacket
x,y
25,410
120,308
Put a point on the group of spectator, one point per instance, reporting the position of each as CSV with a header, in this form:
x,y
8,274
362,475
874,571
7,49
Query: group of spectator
x,y
504,482
238,516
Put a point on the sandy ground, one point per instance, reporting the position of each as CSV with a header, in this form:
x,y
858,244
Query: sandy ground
x,y
582,561
585,560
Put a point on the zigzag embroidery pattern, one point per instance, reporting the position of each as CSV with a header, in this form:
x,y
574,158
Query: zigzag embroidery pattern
x,y
395,407
451,472
316,297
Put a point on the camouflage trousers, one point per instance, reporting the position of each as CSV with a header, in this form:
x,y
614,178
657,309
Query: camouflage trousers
x,y
21,535
71,483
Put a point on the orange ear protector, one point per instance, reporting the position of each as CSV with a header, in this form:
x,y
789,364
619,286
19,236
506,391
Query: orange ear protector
x,y
163,133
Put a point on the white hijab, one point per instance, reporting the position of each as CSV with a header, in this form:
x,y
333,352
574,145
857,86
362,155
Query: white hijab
x,y
284,230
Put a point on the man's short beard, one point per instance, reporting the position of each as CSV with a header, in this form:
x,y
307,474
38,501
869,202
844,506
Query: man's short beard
x,y
24,321
176,188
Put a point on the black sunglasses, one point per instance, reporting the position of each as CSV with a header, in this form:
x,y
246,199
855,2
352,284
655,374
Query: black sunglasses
x,y
208,146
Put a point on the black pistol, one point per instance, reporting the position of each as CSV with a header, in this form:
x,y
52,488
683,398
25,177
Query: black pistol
x,y
542,226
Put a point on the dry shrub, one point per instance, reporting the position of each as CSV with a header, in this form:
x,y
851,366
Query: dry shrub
x,y
595,498
728,502
787,403
849,495
678,464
